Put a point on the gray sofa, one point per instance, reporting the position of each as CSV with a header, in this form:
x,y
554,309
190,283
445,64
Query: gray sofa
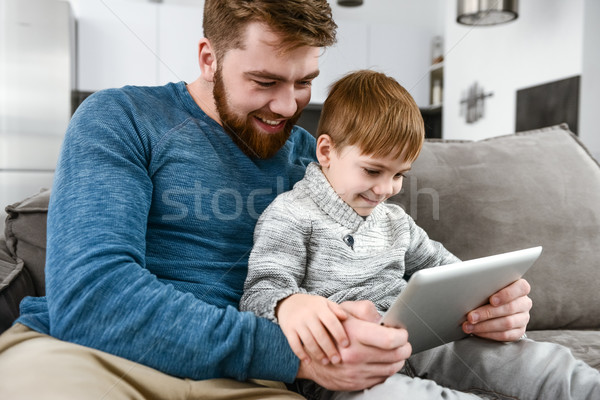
x,y
478,198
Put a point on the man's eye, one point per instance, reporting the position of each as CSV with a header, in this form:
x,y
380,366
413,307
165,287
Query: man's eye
x,y
305,83
264,84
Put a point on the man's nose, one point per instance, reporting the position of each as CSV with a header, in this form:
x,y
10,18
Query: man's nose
x,y
285,102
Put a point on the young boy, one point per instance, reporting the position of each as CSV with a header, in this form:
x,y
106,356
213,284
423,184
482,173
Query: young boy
x,y
333,238
333,235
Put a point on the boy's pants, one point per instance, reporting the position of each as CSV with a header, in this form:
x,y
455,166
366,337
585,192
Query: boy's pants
x,y
478,368
36,366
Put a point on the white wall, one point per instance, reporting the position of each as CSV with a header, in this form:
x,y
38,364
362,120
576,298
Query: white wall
x,y
589,117
128,41
551,40
544,44
391,36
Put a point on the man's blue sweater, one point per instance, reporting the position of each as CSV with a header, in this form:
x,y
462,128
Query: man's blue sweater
x,y
150,226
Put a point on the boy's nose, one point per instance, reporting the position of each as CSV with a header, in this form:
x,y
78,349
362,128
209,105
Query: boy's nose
x,y
384,188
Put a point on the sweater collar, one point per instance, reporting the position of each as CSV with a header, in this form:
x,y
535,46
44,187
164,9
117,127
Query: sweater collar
x,y
321,192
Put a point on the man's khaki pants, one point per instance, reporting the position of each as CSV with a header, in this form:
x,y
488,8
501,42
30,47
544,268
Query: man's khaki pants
x,y
37,366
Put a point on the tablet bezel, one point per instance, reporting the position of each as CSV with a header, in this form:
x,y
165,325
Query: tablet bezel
x,y
435,302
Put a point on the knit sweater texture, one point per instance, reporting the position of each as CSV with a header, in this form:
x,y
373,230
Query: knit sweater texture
x,y
150,226
302,245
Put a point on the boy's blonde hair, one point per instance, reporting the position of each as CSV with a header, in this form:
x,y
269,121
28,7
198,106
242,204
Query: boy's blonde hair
x,y
374,112
298,22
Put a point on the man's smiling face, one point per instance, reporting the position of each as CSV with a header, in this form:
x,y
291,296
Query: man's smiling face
x,y
260,91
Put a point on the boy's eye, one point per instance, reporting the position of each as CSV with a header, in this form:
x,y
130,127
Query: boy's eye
x,y
371,172
400,176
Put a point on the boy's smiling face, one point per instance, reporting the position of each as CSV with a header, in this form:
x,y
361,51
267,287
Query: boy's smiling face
x,y
362,181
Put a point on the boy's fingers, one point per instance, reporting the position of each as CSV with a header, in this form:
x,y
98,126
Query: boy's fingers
x,y
336,329
324,340
312,347
297,348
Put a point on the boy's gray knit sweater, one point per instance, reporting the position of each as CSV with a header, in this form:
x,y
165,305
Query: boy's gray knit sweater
x,y
299,247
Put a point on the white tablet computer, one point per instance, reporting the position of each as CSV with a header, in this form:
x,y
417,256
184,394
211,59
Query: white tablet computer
x,y
434,304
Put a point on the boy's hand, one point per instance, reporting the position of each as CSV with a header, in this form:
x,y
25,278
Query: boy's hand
x,y
312,327
505,317
375,353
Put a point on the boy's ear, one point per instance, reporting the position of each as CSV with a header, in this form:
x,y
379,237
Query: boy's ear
x,y
324,149
207,60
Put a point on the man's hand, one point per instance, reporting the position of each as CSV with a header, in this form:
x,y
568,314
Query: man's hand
x,y
506,315
363,309
374,354
312,326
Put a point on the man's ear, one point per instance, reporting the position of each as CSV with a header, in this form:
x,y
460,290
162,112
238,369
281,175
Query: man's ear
x,y
207,59
324,149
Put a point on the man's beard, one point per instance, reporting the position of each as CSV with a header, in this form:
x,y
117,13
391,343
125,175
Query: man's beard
x,y
253,142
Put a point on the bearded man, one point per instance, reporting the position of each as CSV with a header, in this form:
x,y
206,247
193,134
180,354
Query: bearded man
x,y
156,194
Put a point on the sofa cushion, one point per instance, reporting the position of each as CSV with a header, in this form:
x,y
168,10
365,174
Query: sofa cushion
x,y
511,192
15,284
25,233
585,345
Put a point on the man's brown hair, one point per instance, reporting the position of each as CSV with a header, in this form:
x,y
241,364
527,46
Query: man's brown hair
x,y
374,112
298,22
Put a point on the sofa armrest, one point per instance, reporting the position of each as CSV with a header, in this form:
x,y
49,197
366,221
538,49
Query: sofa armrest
x,y
25,233
15,284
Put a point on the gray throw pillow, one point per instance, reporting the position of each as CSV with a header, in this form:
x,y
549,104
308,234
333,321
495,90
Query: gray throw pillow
x,y
511,192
